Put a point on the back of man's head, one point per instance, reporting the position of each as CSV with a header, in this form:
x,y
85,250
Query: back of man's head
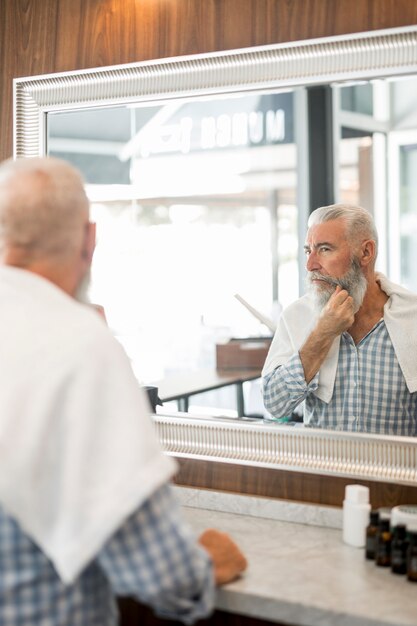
x,y
43,208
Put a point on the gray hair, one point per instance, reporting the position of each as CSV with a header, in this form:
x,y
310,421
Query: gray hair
x,y
359,222
43,207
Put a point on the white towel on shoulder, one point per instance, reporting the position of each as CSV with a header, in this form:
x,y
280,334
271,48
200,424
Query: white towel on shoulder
x,y
78,452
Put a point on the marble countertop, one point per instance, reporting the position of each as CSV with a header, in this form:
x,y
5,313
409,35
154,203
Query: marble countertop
x,y
304,575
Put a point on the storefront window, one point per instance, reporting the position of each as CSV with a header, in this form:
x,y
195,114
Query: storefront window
x,y
358,98
356,169
194,202
408,216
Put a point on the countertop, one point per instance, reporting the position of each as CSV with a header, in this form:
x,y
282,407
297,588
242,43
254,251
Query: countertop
x,y
304,574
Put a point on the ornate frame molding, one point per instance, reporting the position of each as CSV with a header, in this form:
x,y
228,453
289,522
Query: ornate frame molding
x,y
362,55
355,455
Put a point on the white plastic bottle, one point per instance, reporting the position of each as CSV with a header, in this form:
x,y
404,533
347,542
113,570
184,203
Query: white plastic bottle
x,y
356,509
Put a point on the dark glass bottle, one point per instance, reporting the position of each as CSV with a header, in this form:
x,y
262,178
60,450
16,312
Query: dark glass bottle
x,y
372,535
412,557
383,548
399,547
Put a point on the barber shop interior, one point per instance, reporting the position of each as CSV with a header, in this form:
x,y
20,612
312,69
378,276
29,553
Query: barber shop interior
x,y
246,342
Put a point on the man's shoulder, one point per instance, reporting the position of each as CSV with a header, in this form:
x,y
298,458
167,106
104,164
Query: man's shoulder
x,y
88,328
88,346
77,331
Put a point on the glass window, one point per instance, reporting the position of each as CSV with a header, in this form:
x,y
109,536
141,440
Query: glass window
x,y
362,120
357,98
356,168
194,202
408,216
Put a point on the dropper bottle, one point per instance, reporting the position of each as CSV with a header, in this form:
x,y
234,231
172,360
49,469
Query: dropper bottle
x,y
399,550
383,548
372,535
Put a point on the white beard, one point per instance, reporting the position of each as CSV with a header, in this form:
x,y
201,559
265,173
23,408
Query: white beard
x,y
353,281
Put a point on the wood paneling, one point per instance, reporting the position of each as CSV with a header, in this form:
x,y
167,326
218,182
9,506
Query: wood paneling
x,y
45,36
310,488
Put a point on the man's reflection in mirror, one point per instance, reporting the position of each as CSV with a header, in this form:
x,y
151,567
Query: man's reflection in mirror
x,y
348,348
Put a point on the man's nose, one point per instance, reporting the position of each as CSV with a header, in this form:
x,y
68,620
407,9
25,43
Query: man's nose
x,y
312,264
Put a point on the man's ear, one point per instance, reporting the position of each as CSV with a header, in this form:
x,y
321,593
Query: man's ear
x,y
368,250
89,242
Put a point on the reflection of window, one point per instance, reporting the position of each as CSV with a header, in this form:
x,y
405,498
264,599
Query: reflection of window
x,y
196,200
408,215
357,98
181,265
356,169
362,116
201,205
377,162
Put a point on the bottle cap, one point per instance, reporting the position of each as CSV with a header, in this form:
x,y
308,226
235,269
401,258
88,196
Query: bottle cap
x,y
357,494
384,513
405,514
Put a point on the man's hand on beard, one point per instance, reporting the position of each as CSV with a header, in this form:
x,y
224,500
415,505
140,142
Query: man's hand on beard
x,y
337,315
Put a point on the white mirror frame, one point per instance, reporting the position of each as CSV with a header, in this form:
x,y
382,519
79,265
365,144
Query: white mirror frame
x,y
375,54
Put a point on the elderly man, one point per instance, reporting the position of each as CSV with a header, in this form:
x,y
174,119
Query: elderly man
x,y
348,347
86,510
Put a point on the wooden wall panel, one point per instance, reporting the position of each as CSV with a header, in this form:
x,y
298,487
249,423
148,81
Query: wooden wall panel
x,y
286,485
45,36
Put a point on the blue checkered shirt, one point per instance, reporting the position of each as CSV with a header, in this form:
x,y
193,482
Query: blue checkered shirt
x,y
370,394
153,557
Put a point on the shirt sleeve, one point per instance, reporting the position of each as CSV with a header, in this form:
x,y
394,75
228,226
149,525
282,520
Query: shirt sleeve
x,y
155,557
285,387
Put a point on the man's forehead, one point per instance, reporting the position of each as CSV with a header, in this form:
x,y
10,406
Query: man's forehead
x,y
333,230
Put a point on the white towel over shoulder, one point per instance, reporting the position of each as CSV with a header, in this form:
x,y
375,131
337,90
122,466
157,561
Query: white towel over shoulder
x,y
78,453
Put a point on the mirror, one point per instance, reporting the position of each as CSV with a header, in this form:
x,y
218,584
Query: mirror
x,y
191,189
222,113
